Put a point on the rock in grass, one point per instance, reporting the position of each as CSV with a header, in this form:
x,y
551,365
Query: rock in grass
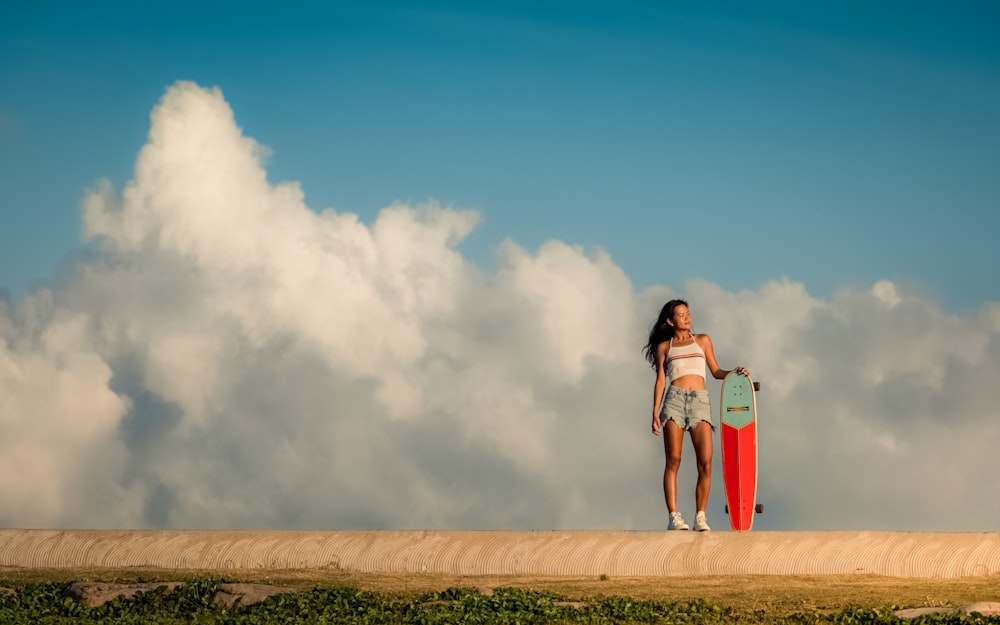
x,y
93,594
986,608
915,612
237,595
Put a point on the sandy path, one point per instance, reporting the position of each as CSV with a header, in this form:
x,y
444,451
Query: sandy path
x,y
506,553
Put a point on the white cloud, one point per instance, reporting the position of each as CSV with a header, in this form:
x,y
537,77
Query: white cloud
x,y
58,420
231,358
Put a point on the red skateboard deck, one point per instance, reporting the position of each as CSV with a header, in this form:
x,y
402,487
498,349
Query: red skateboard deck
x,y
739,450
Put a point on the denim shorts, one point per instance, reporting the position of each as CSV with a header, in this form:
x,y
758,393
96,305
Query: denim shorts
x,y
685,408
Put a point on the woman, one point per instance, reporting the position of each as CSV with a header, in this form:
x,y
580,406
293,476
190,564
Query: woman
x,y
681,356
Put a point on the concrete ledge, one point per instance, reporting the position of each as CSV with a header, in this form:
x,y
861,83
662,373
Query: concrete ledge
x,y
548,553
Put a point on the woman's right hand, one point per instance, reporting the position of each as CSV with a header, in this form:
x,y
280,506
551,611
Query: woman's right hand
x,y
656,425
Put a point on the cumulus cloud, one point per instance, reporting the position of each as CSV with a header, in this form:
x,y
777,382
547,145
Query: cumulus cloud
x,y
231,358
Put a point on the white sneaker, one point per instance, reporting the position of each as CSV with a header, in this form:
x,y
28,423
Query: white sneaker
x,y
677,522
700,524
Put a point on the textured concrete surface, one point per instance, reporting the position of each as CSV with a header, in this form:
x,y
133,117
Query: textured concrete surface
x,y
614,553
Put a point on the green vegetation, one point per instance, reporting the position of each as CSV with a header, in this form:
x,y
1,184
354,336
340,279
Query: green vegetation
x,y
193,602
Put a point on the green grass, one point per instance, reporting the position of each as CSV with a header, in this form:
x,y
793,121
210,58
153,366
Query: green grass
x,y
192,602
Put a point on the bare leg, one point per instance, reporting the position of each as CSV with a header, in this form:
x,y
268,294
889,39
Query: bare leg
x,y
701,438
673,443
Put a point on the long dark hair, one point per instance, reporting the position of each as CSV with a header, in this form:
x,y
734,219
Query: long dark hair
x,y
662,330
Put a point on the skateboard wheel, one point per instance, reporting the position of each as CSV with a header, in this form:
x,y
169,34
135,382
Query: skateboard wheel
x,y
759,508
756,386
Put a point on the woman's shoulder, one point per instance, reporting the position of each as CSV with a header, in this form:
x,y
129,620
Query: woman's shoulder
x,y
703,338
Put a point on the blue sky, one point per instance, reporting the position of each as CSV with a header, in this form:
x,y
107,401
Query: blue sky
x,y
818,179
835,144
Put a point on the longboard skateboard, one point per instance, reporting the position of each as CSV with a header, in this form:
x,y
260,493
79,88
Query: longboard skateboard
x,y
739,449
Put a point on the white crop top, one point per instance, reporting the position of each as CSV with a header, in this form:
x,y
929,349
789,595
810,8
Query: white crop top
x,y
687,360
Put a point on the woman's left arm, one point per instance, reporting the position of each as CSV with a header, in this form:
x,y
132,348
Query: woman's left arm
x,y
713,365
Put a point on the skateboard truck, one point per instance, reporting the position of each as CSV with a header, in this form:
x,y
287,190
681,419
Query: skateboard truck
x,y
759,508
